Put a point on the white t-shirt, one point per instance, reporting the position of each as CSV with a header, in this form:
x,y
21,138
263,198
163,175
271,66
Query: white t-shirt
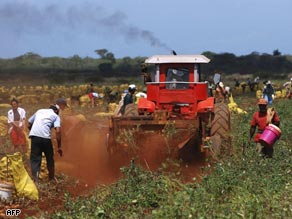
x,y
21,112
42,122
94,94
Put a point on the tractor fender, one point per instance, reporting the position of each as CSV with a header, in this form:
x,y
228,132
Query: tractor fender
x,y
146,105
206,105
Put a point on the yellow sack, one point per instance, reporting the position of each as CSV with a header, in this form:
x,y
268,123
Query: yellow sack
x,y
278,94
23,183
270,115
112,107
84,100
233,107
284,93
231,100
259,94
44,170
3,125
5,171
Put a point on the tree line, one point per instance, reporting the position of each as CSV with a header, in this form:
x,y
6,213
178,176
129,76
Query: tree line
x,y
59,69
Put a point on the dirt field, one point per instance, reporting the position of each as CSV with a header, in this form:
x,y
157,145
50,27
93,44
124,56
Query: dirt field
x,y
86,163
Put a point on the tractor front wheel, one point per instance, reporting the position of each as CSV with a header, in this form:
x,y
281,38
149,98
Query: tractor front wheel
x,y
220,128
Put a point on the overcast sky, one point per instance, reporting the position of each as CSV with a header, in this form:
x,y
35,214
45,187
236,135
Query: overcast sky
x,y
144,27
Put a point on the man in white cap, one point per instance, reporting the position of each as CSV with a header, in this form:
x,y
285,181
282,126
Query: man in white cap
x,y
40,124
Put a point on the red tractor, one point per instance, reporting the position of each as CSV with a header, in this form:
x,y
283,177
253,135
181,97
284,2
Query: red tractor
x,y
178,106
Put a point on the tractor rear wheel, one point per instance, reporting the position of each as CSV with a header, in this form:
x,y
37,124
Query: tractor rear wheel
x,y
220,128
131,110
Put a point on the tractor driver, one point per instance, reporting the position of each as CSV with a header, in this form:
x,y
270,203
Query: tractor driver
x,y
128,99
176,76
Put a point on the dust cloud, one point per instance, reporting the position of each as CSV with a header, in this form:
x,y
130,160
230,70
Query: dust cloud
x,y
86,157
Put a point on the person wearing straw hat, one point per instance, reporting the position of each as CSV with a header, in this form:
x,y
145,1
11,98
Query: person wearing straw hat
x,y
259,121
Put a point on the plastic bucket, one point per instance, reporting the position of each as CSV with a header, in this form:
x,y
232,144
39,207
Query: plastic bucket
x,y
6,190
270,135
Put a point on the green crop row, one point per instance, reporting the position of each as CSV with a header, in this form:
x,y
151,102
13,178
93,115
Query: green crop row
x,y
241,185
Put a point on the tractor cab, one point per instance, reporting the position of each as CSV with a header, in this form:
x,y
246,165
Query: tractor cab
x,y
174,84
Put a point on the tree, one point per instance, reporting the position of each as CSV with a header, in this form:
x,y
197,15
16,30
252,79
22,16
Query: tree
x,y
209,54
111,57
101,52
276,52
106,69
76,61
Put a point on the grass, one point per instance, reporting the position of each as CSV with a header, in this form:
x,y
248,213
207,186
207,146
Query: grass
x,y
243,185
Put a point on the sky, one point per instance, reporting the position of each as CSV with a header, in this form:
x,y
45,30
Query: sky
x,y
132,28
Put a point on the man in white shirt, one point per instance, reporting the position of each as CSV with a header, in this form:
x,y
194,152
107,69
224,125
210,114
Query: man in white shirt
x,y
40,125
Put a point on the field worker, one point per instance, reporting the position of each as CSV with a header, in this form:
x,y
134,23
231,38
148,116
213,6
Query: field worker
x,y
211,87
128,99
261,119
269,92
250,84
256,82
288,86
16,123
93,96
220,93
237,84
227,91
40,124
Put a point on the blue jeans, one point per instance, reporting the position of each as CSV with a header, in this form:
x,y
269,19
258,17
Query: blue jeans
x,y
268,98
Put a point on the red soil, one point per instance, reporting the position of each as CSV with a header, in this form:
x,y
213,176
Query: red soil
x,y
85,158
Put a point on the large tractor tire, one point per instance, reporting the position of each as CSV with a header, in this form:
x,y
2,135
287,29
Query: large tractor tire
x,y
131,110
220,128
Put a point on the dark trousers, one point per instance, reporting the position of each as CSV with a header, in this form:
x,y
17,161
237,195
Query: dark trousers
x,y
38,146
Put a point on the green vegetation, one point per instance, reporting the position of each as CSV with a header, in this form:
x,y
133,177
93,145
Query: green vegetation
x,y
60,70
243,185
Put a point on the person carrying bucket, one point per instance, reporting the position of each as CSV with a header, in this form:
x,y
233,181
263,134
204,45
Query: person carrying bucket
x,y
260,120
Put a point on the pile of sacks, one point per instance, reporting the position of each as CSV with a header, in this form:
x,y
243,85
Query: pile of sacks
x,y
233,107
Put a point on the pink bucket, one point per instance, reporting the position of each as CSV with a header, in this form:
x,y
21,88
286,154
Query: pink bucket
x,y
270,135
